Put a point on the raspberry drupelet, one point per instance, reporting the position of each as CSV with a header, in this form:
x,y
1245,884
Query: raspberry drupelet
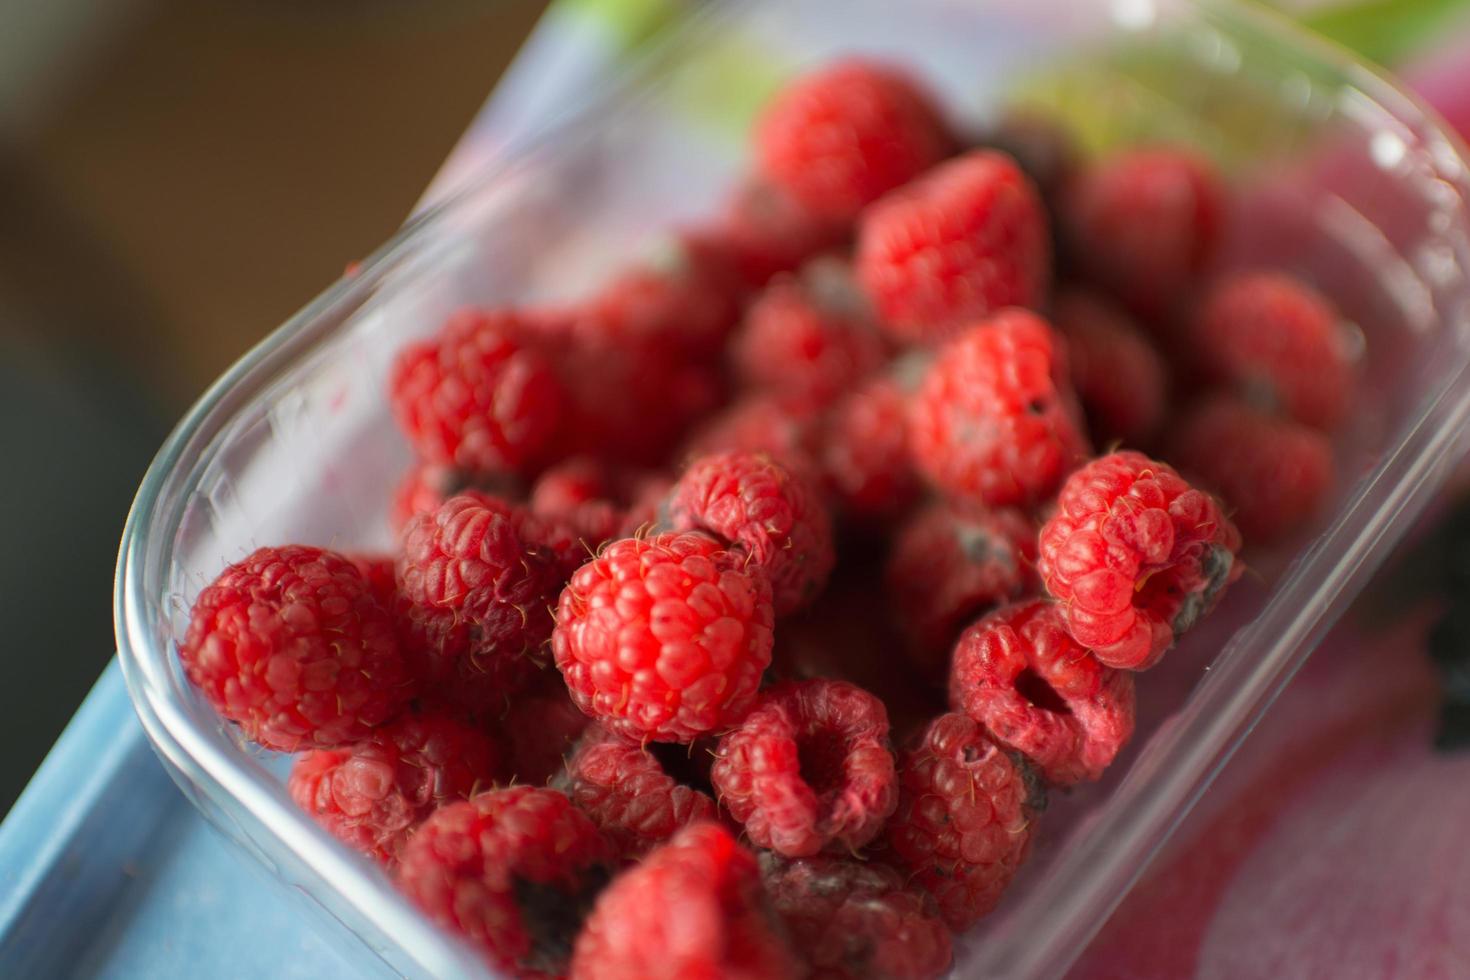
x,y
809,768
665,637
1118,374
479,395
770,510
1277,341
372,794
853,920
842,136
292,644
1020,674
948,564
967,810
1135,556
514,871
694,908
865,459
994,419
963,241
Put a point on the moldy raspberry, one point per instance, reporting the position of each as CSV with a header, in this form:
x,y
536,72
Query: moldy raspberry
x,y
693,908
1136,556
664,637
994,419
514,871
1118,373
865,459
809,768
292,645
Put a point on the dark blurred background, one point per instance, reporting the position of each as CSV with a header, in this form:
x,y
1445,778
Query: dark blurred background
x,y
176,178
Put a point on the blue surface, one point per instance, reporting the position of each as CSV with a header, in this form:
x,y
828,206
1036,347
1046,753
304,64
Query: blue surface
x,y
107,871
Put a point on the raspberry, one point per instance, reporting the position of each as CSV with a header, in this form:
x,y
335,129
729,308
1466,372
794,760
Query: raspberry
x,y
427,485
865,458
291,644
839,138
1276,473
964,241
809,768
994,419
781,425
693,908
770,510
478,395
626,790
539,728
1144,223
950,563
1117,371
477,592
1277,340
851,920
578,493
379,572
1020,674
966,813
1136,556
1039,143
810,337
664,637
768,232
514,871
374,793
646,496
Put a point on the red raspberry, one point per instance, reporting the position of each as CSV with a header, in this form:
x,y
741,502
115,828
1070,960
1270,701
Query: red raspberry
x,y
1144,223
578,493
694,908
427,485
966,813
964,241
950,563
851,920
664,637
865,458
1019,673
811,337
1118,373
374,793
768,232
626,790
1277,340
781,425
840,137
809,768
380,574
478,591
994,419
539,729
1136,556
1276,473
514,871
646,496
292,645
478,395
770,510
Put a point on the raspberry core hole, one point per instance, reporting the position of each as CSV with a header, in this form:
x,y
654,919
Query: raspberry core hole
x,y
686,765
1034,688
821,755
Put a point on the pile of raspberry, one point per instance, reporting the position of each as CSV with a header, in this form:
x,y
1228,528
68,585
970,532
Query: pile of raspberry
x,y
744,612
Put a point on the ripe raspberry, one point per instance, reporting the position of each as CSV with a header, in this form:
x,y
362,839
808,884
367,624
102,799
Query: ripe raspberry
x,y
579,494
1278,341
514,871
783,426
811,337
1144,223
948,564
627,792
966,813
964,241
1116,369
1135,556
771,510
994,419
1019,673
851,920
292,645
694,908
1274,472
840,137
646,496
539,729
427,485
478,590
379,572
866,463
372,794
478,395
768,232
809,768
664,637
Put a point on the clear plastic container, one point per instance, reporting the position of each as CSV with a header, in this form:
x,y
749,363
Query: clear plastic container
x,y
1346,180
